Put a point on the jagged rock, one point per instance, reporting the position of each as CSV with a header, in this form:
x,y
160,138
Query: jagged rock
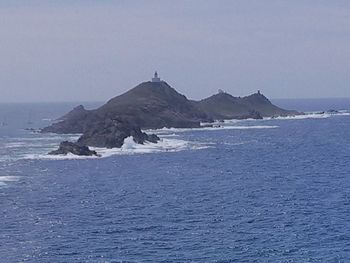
x,y
77,112
153,105
150,105
331,111
223,106
111,133
253,114
152,138
74,148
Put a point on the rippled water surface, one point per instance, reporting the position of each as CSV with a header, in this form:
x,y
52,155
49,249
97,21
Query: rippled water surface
x,y
277,191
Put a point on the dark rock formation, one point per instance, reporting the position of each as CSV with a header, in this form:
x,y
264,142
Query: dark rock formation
x,y
331,111
111,134
255,106
74,148
150,105
77,112
153,105
73,123
253,114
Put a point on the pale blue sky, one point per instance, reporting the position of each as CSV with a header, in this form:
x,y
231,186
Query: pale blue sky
x,y
94,50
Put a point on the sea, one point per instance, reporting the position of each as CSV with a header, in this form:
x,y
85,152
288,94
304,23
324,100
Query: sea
x,y
271,190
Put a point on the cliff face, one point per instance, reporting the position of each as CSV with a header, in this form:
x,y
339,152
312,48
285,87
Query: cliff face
x,y
154,105
157,105
148,105
112,133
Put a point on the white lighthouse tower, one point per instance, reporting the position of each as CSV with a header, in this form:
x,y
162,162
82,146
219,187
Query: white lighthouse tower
x,y
155,78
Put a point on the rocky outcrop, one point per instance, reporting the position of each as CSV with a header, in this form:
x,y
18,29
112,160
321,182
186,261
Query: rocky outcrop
x,y
253,114
152,105
111,133
77,112
75,123
74,148
225,106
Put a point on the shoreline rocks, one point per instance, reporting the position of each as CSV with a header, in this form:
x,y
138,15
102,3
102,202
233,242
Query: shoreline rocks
x,y
111,134
153,105
67,147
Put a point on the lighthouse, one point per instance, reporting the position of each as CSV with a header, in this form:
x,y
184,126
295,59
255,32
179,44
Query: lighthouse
x,y
155,78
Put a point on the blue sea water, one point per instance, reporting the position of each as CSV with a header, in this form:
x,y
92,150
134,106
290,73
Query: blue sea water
x,y
275,190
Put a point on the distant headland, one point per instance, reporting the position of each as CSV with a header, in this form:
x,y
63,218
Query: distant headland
x,y
152,105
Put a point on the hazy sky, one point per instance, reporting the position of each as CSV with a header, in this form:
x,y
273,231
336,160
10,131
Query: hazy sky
x,y
83,50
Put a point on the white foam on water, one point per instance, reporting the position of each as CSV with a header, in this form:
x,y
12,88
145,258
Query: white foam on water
x,y
5,179
215,128
164,145
129,147
48,137
234,144
22,145
15,144
312,115
301,117
343,113
46,156
307,115
170,135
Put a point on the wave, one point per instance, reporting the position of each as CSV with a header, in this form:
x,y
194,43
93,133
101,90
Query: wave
x,y
343,113
301,117
164,145
5,179
313,115
15,145
307,115
165,131
49,136
130,147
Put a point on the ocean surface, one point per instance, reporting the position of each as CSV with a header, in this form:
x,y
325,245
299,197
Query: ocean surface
x,y
273,190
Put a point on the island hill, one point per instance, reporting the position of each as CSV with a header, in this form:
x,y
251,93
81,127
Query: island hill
x,y
153,105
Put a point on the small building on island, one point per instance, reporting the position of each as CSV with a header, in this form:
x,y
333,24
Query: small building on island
x,y
156,78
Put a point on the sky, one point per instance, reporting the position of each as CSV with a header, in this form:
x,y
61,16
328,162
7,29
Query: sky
x,y
75,50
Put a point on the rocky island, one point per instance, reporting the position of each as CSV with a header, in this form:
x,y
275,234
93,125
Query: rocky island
x,y
153,105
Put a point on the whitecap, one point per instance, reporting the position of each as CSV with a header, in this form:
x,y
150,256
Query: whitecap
x,y
164,145
343,113
15,145
49,136
6,179
312,115
301,117
214,128
46,156
130,147
307,115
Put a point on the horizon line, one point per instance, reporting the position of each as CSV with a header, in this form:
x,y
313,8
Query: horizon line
x,y
104,101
